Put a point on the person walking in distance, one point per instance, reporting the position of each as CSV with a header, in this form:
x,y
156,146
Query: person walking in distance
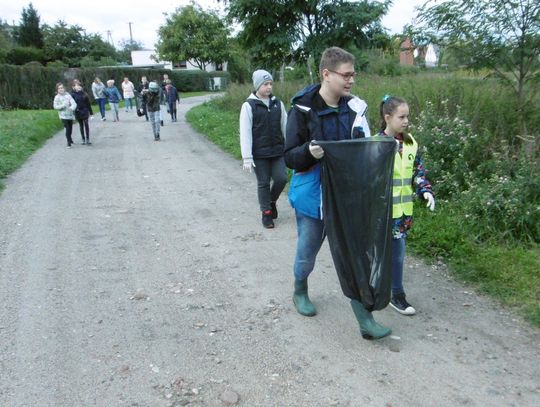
x,y
66,106
114,97
128,91
83,112
172,99
151,98
99,96
263,121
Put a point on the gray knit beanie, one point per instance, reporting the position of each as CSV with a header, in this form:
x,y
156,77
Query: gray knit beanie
x,y
259,77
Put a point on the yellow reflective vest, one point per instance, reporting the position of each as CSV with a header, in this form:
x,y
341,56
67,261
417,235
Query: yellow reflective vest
x,y
402,189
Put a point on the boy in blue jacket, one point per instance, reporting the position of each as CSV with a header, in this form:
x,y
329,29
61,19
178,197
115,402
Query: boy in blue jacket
x,y
326,111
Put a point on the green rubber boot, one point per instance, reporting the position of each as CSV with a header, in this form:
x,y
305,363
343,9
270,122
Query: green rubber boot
x,y
368,327
303,304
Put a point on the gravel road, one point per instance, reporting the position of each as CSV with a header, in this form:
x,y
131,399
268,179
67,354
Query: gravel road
x,y
137,273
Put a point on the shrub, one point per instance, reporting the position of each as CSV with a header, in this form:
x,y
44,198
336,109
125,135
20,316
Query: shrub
x,y
32,86
507,204
495,190
23,55
451,149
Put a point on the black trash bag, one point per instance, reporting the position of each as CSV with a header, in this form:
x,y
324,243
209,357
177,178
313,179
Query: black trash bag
x,y
140,105
357,208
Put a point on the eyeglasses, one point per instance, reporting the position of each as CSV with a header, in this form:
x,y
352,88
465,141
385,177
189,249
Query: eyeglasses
x,y
346,76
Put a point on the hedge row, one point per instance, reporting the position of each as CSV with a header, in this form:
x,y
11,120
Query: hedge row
x,y
32,86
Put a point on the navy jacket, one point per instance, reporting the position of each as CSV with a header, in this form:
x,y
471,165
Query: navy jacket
x,y
310,118
84,107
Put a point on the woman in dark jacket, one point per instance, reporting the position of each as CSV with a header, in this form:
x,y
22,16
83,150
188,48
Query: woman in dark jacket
x,y
83,112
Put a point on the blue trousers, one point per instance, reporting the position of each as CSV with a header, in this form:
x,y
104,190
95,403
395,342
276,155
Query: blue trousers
x,y
311,236
101,104
398,258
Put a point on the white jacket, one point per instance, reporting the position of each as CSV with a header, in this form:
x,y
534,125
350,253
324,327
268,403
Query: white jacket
x,y
128,89
65,105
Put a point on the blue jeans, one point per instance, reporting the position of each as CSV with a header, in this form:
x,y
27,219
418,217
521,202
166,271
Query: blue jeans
x,y
398,258
311,235
129,103
154,123
101,104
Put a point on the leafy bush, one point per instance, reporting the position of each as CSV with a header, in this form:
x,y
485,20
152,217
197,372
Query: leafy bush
x,y
23,55
496,192
452,149
507,204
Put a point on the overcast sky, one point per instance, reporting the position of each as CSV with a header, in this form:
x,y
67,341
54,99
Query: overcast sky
x,y
101,16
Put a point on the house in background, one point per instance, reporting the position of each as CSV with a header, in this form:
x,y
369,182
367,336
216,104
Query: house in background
x,y
146,58
429,54
406,52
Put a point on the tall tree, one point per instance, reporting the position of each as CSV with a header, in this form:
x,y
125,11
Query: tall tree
x,y
303,28
68,44
502,35
191,33
124,55
29,32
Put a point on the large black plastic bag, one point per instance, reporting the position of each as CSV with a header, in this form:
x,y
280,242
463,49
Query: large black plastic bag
x,y
357,208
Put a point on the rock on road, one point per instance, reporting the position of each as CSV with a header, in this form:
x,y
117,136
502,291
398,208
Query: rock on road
x,y
137,273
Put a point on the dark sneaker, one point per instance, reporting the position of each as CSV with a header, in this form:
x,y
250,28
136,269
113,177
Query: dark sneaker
x,y
88,142
400,304
267,221
83,142
274,210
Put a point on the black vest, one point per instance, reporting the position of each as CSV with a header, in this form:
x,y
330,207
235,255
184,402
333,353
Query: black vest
x,y
267,137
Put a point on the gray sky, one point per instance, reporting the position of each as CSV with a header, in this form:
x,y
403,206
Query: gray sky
x,y
100,16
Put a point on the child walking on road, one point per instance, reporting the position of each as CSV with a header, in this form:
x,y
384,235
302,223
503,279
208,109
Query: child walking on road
x,y
328,112
112,93
99,96
83,112
409,173
66,106
172,99
151,98
263,121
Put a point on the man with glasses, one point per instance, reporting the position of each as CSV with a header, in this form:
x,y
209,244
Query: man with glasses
x,y
321,112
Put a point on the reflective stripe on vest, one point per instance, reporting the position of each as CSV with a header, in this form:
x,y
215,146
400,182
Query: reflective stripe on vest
x,y
402,191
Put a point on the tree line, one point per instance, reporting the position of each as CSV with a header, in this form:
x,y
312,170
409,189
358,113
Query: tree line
x,y
58,45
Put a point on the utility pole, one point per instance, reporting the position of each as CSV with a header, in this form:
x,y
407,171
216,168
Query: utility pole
x,y
130,33
109,37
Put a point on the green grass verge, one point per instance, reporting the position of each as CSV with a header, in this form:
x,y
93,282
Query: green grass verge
x,y
21,133
509,274
184,95
221,127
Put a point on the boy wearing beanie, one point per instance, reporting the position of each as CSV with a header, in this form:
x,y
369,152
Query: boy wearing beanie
x,y
263,120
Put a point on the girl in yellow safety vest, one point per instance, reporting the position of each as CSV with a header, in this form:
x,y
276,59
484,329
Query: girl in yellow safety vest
x,y
409,173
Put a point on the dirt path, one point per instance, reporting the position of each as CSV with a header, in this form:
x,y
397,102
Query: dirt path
x,y
136,273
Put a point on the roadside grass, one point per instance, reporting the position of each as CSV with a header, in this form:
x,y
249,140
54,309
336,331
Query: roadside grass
x,y
184,95
21,133
221,127
508,273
